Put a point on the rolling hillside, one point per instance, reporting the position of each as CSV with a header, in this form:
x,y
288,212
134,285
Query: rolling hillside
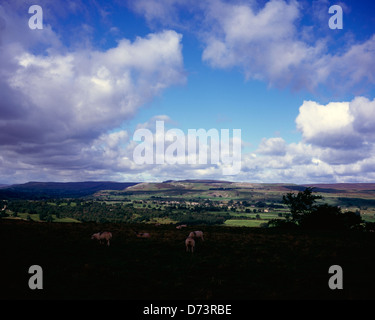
x,y
38,190
236,203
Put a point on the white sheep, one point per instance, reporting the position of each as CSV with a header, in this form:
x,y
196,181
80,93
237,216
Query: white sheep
x,y
196,235
189,244
181,226
102,237
143,235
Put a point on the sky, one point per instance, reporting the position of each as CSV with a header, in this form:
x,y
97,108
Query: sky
x,y
75,92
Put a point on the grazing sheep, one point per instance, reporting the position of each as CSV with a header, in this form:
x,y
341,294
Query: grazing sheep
x,y
143,235
196,235
181,226
102,237
190,244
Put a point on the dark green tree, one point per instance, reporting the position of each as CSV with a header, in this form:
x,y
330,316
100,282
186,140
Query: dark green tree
x,y
305,213
300,204
330,217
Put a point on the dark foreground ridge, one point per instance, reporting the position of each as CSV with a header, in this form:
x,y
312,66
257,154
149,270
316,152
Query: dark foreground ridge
x,y
230,264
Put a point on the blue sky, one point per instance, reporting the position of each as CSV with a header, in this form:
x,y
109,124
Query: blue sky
x,y
75,91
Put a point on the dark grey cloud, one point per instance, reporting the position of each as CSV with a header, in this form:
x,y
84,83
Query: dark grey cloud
x,y
57,101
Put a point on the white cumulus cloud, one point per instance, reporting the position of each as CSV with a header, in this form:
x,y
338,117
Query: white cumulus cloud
x,y
59,101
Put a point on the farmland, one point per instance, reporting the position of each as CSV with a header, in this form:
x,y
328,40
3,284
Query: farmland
x,y
242,201
173,202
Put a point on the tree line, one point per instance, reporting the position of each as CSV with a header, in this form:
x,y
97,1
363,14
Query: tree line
x,y
96,211
306,213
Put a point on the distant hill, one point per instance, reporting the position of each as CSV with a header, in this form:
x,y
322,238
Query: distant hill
x,y
40,190
345,186
184,188
198,181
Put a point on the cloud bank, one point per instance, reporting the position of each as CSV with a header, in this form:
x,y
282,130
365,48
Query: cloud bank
x,y
321,155
56,101
338,144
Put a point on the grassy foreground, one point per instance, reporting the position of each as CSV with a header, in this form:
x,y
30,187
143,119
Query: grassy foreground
x,y
232,263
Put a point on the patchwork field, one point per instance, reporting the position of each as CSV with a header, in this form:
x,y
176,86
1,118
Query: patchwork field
x,y
244,200
172,202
